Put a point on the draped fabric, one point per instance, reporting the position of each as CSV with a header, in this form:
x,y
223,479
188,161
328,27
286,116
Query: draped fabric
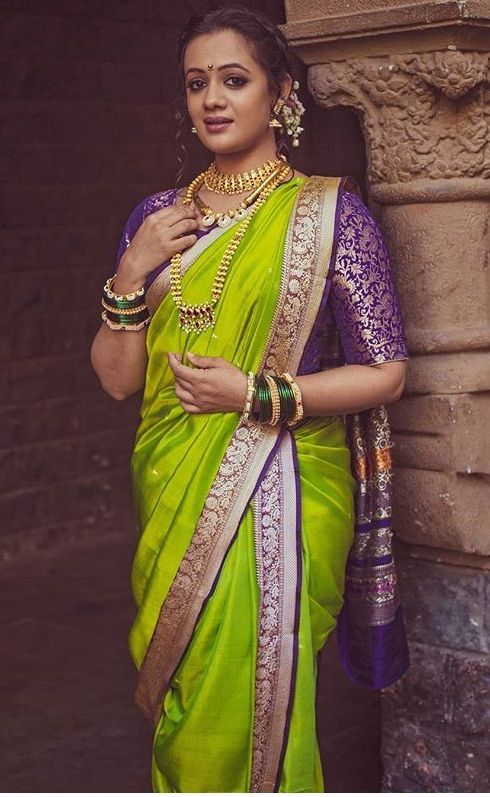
x,y
256,542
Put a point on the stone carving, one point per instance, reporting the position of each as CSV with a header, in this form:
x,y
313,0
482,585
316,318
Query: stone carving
x,y
424,115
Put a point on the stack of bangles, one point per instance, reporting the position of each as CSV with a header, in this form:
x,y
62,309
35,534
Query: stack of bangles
x,y
272,399
124,311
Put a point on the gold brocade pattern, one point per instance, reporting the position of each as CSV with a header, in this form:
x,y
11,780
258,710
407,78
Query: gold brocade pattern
x,y
277,564
364,296
306,263
372,585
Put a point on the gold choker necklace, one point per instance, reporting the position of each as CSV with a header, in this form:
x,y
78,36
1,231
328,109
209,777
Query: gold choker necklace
x,y
221,183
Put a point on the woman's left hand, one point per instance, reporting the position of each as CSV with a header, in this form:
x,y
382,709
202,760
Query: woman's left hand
x,y
212,385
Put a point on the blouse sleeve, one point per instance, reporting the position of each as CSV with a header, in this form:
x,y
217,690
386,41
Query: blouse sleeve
x,y
149,205
363,295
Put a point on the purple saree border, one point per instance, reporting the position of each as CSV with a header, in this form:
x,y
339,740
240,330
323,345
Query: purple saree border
x,y
297,609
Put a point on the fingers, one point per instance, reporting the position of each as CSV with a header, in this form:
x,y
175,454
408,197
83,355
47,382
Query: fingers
x,y
184,395
181,371
179,244
173,214
205,362
183,227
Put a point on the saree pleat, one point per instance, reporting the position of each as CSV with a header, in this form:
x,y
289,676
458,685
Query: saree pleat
x,y
239,570
205,734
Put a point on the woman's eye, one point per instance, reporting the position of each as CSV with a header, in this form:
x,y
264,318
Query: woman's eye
x,y
195,85
235,80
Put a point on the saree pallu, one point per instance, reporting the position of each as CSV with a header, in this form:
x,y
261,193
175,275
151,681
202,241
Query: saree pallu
x,y
245,531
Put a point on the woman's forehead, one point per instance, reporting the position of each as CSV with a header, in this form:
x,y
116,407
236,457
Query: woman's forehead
x,y
222,47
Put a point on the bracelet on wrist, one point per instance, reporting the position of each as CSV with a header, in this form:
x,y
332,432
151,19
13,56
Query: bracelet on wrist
x,y
124,310
273,399
249,401
298,416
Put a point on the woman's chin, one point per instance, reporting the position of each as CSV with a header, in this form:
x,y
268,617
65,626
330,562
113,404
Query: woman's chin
x,y
221,145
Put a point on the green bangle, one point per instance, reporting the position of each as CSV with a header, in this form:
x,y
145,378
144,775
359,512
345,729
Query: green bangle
x,y
265,400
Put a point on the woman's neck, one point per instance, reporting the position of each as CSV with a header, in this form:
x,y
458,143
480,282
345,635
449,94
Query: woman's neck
x,y
244,161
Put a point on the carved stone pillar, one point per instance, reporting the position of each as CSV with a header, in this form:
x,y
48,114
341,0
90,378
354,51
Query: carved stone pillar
x,y
419,77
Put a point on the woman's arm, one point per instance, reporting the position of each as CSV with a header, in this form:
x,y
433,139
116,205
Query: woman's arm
x,y
119,360
352,388
213,384
119,357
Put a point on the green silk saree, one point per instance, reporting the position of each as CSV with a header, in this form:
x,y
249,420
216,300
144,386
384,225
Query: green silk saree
x,y
239,571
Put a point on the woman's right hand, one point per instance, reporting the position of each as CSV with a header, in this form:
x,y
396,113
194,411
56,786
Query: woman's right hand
x,y
161,235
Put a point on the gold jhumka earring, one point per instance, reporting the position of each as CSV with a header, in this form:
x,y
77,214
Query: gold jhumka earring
x,y
286,115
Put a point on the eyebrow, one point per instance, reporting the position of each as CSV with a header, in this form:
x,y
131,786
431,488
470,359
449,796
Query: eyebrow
x,y
224,66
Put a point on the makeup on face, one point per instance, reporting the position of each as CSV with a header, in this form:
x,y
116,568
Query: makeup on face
x,y
230,103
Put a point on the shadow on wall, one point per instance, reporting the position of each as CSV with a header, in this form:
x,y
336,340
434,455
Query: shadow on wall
x,y
87,133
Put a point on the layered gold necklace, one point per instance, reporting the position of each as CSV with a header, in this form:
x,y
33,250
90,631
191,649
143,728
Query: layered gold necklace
x,y
198,317
221,183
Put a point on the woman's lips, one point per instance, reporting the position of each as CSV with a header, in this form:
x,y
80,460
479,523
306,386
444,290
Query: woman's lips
x,y
217,125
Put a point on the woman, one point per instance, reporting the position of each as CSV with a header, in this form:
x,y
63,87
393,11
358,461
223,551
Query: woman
x,y
263,502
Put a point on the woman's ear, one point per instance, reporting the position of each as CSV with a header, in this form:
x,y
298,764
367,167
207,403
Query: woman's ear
x,y
285,86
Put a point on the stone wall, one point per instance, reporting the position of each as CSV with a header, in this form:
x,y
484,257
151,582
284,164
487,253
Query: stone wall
x,y
86,133
419,77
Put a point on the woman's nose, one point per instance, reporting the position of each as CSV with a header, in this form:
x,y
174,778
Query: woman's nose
x,y
214,97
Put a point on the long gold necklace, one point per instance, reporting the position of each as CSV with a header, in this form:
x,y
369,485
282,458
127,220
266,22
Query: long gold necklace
x,y
222,183
198,317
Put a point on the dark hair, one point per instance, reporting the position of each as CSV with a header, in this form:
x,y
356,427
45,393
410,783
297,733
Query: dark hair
x,y
271,51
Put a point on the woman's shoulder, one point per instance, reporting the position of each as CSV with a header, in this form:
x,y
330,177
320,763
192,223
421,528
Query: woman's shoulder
x,y
149,204
158,200
349,191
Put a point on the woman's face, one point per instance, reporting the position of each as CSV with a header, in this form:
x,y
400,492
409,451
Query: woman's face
x,y
229,104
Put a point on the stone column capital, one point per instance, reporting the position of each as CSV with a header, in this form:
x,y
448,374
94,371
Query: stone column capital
x,y
425,118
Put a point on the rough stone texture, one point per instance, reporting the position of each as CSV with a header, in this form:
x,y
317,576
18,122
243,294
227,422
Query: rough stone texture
x,y
87,132
446,606
321,9
449,373
442,509
436,722
414,107
436,719
332,30
443,432
448,295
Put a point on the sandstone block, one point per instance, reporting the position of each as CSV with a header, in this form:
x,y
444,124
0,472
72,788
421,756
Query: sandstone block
x,y
446,510
449,373
449,432
447,295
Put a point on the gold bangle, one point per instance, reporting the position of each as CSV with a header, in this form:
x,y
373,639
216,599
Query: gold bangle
x,y
298,398
276,401
250,396
126,311
121,297
130,327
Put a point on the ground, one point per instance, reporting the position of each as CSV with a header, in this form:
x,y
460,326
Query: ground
x,y
68,721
